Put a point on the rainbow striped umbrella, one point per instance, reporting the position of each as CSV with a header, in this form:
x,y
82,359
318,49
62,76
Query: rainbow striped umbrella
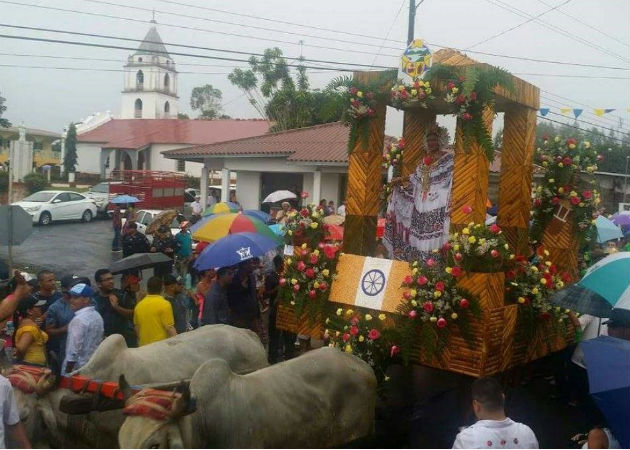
x,y
231,223
222,208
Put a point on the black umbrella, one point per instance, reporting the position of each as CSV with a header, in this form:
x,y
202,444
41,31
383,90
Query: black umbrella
x,y
139,261
582,300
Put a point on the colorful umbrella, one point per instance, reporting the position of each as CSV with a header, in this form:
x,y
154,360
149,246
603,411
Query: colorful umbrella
x,y
606,230
622,219
233,249
222,208
221,225
277,228
163,218
278,196
123,199
610,277
334,233
582,300
261,215
608,368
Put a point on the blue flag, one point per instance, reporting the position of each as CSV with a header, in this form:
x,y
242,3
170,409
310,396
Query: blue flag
x,y
577,112
544,111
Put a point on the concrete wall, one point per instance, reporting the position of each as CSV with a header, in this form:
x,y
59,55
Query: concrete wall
x,y
330,188
88,158
160,162
248,190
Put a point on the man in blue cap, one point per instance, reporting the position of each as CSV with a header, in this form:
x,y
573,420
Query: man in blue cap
x,y
85,330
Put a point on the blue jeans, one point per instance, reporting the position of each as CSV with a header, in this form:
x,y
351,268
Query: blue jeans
x,y
116,241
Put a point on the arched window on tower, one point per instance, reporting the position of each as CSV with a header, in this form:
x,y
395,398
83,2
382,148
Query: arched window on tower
x,y
140,80
167,109
138,109
167,82
140,59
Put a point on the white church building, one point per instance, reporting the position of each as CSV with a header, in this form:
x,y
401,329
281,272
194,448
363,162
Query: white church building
x,y
148,123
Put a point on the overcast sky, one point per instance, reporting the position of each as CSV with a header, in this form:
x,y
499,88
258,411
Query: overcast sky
x,y
598,34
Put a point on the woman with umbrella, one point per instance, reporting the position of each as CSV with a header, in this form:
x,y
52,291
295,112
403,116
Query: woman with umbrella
x,y
164,242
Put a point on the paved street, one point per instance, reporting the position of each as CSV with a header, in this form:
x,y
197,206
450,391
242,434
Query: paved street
x,y
66,247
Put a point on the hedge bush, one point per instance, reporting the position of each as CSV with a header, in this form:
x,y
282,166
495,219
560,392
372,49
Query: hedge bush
x,y
35,182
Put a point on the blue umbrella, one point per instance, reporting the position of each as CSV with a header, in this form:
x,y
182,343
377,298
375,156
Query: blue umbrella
x,y
277,228
121,199
609,277
608,368
233,249
606,230
262,215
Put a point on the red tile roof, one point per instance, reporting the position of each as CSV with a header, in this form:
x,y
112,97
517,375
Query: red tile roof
x,y
138,133
325,143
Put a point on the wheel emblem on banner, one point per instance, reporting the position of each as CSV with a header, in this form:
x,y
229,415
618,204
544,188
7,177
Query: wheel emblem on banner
x,y
373,282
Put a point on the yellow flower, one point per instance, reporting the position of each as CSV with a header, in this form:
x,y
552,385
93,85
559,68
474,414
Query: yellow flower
x,y
455,90
304,246
292,303
437,294
454,316
316,285
482,241
360,94
414,271
316,252
456,247
471,224
414,303
545,163
512,256
349,312
559,285
535,291
561,190
314,215
433,319
386,378
381,317
556,139
546,252
368,317
339,311
361,338
587,144
571,146
290,232
548,263
506,246
560,164
348,348
521,300
466,231
325,272
534,269
413,292
551,180
327,320
448,270
543,281
435,250
581,204
415,264
573,194
414,92
293,281
288,261
472,239
313,225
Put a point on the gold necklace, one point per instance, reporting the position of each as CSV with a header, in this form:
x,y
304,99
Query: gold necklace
x,y
428,162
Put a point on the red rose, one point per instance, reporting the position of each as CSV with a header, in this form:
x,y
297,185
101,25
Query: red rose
x,y
430,262
466,116
353,90
354,320
408,280
282,281
439,286
301,266
345,337
460,99
441,322
312,293
575,200
494,253
371,112
303,252
467,209
553,269
296,287
323,286
473,96
304,212
587,195
427,160
555,201
355,103
412,314
447,246
565,277
545,137
304,194
421,95
401,142
428,307
537,202
463,303
600,157
325,227
321,245
567,161
374,334
314,258
422,280
310,273
354,330
545,315
330,250
494,228
403,94
406,295
394,351
450,85
571,141
510,275
458,256
457,271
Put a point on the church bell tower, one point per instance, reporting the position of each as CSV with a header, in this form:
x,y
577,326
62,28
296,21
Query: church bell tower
x,y
150,84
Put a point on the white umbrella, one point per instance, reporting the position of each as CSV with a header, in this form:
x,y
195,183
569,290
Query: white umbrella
x,y
278,196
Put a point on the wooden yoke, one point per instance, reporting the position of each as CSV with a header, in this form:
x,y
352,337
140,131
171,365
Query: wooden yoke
x,y
519,134
415,126
470,178
364,181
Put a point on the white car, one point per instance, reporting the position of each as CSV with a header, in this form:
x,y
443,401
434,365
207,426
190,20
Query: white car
x,y
145,216
47,206
101,196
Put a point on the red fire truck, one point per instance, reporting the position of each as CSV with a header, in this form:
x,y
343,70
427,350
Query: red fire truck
x,y
155,189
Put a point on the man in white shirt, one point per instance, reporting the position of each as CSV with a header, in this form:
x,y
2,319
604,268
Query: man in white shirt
x,y
197,209
85,330
493,429
11,418
342,209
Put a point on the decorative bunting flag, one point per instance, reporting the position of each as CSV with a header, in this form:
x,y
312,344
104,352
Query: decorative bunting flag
x,y
544,111
577,112
599,112
565,110
608,110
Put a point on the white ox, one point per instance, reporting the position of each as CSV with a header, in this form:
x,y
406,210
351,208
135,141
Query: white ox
x,y
166,361
323,398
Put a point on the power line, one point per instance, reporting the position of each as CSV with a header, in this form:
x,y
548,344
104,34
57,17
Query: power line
x,y
556,29
195,47
517,26
313,27
97,69
537,60
567,75
587,25
586,121
604,121
581,129
389,31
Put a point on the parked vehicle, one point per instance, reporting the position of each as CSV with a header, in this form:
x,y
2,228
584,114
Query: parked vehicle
x,y
100,193
48,206
145,216
155,189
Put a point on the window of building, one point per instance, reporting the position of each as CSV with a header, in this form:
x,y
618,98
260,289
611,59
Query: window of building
x,y
167,81
138,109
181,165
38,145
140,59
139,79
167,108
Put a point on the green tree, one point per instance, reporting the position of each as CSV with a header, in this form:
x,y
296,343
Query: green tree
x,y
182,116
35,182
277,96
70,158
4,123
207,100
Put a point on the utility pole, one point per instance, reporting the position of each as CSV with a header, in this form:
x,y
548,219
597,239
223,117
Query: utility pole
x,y
412,21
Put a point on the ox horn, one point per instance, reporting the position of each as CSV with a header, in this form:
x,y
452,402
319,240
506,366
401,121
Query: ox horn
x,y
46,383
185,404
124,388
